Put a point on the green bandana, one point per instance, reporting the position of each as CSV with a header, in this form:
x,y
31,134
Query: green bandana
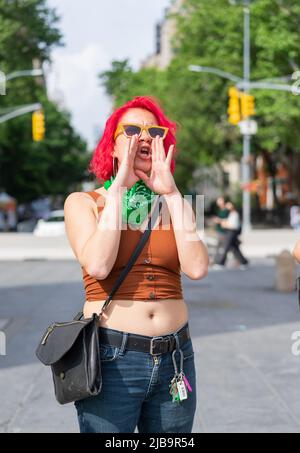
x,y
137,202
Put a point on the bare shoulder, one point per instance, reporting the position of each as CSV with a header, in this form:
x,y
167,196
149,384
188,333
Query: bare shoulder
x,y
76,199
75,196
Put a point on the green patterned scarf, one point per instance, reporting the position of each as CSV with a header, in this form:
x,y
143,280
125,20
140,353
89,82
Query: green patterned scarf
x,y
137,202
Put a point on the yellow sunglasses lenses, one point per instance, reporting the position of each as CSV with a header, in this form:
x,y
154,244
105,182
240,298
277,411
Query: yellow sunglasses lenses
x,y
131,130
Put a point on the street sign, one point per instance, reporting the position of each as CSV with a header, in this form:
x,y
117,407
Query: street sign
x,y
248,127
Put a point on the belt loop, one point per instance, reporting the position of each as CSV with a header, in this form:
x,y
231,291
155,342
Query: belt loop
x,y
123,344
175,335
178,334
177,341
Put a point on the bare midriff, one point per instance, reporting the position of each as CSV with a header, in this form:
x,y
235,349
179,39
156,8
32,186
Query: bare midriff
x,y
144,317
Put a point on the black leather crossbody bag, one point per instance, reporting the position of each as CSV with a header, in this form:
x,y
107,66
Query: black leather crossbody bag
x,y
72,350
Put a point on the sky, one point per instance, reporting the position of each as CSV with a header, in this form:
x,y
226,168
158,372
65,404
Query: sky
x,y
95,33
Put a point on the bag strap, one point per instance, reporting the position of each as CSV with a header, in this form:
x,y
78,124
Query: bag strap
x,y
137,251
298,289
135,254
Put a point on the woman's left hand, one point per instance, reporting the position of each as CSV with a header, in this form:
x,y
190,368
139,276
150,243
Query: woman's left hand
x,y
161,180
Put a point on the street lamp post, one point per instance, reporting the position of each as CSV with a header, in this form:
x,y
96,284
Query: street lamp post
x,y
27,73
20,111
246,177
16,74
14,112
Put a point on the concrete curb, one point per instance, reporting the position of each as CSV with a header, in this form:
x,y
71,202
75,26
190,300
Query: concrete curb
x,y
25,246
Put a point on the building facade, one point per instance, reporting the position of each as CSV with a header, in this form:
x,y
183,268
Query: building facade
x,y
164,34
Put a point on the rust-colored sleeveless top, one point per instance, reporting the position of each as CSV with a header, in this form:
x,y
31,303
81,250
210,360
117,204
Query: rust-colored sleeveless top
x,y
155,275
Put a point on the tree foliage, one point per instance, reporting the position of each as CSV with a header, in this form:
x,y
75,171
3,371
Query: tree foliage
x,y
28,170
210,33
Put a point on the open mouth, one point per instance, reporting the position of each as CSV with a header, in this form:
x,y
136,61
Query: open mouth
x,y
144,153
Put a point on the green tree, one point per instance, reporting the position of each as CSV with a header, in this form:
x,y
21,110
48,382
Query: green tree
x,y
51,167
55,166
210,33
28,31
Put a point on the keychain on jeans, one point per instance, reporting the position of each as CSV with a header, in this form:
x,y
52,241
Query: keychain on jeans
x,y
179,384
173,385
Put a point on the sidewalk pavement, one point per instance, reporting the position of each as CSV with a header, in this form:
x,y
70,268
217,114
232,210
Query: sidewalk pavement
x,y
247,376
25,246
262,243
268,243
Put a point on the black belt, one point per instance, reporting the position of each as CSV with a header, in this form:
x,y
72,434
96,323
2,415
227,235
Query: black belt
x,y
152,345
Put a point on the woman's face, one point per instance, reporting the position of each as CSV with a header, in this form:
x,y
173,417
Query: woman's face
x,y
137,116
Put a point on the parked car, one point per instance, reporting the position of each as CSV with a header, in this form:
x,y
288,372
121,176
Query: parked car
x,y
26,226
52,225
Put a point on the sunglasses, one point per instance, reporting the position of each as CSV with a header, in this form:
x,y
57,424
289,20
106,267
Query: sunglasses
x,y
129,130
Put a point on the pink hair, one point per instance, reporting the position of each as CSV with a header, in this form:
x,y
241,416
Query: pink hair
x,y
101,164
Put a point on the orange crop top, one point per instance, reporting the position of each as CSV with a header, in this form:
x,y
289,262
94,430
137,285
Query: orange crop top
x,y
155,274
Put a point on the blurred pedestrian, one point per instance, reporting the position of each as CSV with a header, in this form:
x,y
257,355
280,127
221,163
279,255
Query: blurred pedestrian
x,y
233,228
295,217
222,214
2,220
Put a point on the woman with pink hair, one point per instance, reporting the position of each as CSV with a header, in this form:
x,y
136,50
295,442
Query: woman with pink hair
x,y
147,356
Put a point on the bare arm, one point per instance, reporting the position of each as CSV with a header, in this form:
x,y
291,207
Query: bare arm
x,y
225,224
95,243
192,252
296,252
193,255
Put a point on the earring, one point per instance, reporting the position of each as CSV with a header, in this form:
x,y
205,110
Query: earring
x,y
115,166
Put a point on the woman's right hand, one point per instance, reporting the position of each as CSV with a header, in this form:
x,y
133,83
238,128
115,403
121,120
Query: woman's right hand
x,y
126,176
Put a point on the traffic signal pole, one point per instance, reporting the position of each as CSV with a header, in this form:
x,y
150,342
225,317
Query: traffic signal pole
x,y
20,111
15,112
247,127
16,74
246,176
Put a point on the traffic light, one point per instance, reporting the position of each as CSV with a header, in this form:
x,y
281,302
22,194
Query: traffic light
x,y
234,111
247,105
38,126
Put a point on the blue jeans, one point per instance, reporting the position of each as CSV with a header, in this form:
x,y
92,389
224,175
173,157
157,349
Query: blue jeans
x,y
135,393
